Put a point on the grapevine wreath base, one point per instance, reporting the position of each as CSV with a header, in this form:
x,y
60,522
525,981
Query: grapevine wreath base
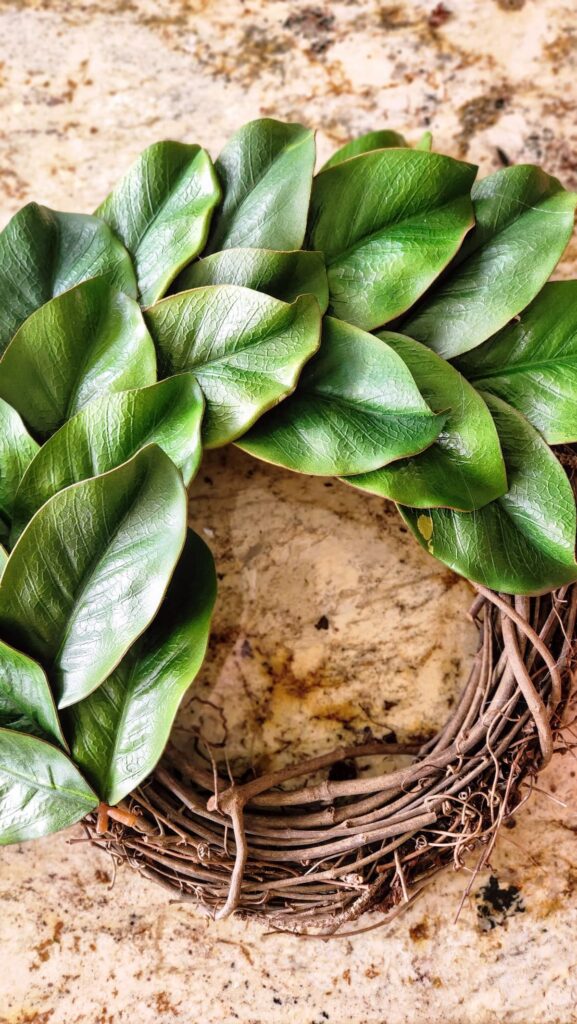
x,y
315,858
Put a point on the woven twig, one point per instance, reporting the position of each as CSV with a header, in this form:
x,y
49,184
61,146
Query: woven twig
x,y
313,858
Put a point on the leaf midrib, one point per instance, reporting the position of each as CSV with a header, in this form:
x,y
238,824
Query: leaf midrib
x,y
509,370
381,232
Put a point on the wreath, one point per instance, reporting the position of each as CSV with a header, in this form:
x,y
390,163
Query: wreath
x,y
386,321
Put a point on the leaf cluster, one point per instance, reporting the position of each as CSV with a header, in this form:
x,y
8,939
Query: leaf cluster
x,y
387,321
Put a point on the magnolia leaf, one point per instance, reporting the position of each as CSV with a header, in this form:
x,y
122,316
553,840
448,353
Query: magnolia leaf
x,y
245,348
118,733
17,449
284,275
41,791
88,342
356,408
44,253
522,543
366,144
26,701
425,142
161,210
464,467
388,223
524,221
89,572
532,363
108,432
266,172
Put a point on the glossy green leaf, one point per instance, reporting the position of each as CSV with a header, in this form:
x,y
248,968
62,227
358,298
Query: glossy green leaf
x,y
284,275
41,791
88,342
532,363
366,144
3,559
523,543
245,348
388,223
17,449
464,467
265,171
89,571
26,701
524,221
356,408
118,733
110,431
44,253
161,210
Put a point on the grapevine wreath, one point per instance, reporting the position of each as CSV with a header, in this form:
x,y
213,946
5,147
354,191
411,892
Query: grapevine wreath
x,y
386,321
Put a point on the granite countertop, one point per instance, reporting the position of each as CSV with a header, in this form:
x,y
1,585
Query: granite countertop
x,y
85,87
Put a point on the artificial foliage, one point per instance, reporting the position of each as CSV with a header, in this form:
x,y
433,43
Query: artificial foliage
x,y
386,321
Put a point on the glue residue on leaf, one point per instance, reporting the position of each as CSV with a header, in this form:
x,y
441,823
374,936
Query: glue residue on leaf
x,y
425,528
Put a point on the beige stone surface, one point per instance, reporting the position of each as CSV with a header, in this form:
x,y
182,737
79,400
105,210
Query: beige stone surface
x,y
85,86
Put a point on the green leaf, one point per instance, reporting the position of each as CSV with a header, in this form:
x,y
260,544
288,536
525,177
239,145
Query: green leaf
x,y
88,342
17,449
40,789
90,570
523,543
388,223
425,142
356,408
284,275
524,221
26,702
161,210
366,144
44,253
245,348
118,733
108,432
464,467
532,363
3,559
266,172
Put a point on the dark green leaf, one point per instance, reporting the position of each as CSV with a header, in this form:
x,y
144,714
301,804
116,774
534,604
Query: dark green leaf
x,y
40,789
118,733
464,467
356,408
161,210
523,543
26,702
245,348
17,449
365,144
90,570
88,342
44,253
108,432
266,172
284,275
388,223
524,221
532,363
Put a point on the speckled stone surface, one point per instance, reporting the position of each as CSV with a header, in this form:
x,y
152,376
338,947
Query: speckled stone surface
x,y
330,620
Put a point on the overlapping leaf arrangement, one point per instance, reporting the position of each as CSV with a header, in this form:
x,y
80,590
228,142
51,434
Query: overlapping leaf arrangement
x,y
387,322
